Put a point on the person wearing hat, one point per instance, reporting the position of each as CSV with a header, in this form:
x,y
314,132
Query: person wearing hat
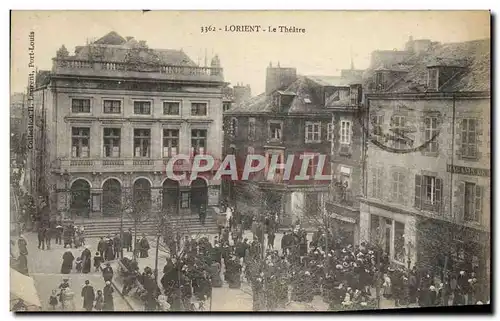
x,y
144,246
108,297
86,260
58,234
67,263
107,273
88,296
22,245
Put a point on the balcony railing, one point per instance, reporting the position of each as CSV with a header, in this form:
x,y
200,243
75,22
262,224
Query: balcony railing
x,y
122,164
124,69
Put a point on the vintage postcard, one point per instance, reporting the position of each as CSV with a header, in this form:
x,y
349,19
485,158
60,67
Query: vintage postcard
x,y
250,160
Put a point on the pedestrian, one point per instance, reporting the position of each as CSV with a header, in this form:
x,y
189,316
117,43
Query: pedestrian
x,y
48,237
88,295
86,260
144,246
68,236
270,238
108,297
99,301
78,264
387,286
22,245
53,300
107,273
58,234
67,299
117,246
101,246
127,240
97,261
203,214
22,264
67,264
109,255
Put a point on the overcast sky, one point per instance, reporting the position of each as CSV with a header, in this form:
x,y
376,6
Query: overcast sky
x,y
324,49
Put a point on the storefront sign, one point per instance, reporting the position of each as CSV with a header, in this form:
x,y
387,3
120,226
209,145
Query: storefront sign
x,y
468,170
343,218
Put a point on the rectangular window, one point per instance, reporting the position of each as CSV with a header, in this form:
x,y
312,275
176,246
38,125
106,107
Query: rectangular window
x,y
345,132
313,132
226,106
377,125
198,109
472,202
142,142
185,198
112,106
329,133
398,184
428,193
430,134
111,140
80,142
170,142
379,80
469,143
377,182
171,108
312,164
80,106
251,128
142,107
275,131
398,127
198,141
432,79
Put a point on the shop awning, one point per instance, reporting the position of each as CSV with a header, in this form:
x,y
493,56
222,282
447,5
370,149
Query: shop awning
x,y
23,287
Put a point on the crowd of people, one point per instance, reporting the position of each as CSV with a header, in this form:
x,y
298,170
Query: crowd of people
x,y
63,298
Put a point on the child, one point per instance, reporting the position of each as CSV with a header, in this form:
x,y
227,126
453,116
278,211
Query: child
x,y
99,301
97,261
78,264
53,300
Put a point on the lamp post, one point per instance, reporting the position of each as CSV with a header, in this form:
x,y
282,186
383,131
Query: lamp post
x,y
66,190
128,210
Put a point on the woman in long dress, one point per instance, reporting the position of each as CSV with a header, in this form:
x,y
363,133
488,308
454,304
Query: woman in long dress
x,y
86,260
67,264
108,297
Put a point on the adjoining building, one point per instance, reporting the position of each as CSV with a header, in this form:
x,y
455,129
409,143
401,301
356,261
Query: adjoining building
x,y
111,115
290,119
427,180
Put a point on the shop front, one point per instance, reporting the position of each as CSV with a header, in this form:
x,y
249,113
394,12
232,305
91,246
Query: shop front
x,y
343,222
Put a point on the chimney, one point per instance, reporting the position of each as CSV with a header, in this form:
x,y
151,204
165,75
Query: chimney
x,y
279,78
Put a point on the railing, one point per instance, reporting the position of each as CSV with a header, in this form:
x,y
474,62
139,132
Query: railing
x,y
136,67
122,164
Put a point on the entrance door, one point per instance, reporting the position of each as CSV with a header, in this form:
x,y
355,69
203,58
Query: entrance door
x,y
387,238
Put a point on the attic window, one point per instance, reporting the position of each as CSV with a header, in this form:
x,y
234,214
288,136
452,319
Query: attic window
x,y
432,78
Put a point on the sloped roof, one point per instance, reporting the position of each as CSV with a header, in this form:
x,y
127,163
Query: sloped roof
x,y
473,56
112,38
114,48
336,81
305,100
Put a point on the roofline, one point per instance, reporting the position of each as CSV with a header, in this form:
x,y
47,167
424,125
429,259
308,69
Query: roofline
x,y
63,76
430,95
327,113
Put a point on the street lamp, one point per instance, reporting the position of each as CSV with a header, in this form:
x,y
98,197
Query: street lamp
x,y
128,210
66,190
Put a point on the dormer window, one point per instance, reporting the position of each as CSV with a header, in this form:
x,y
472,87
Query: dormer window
x,y
432,78
379,80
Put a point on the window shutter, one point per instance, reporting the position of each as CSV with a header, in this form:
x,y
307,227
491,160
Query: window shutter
x,y
478,202
374,182
439,194
460,207
418,191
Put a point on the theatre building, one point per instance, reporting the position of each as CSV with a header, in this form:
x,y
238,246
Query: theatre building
x,y
115,112
427,179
